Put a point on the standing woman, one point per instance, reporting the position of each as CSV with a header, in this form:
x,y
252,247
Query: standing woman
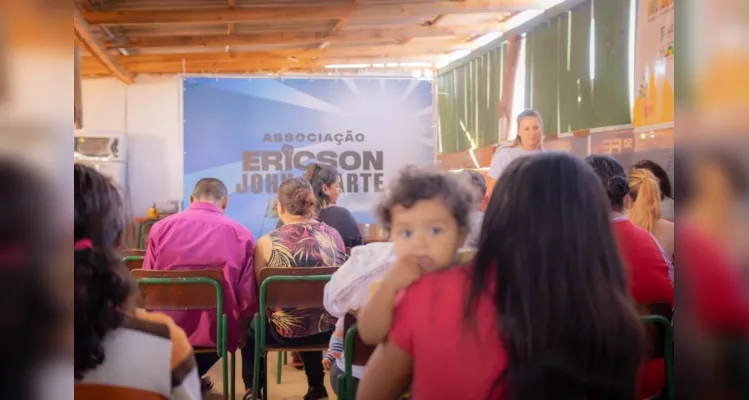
x,y
326,184
527,141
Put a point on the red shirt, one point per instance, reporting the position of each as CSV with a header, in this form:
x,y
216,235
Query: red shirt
x,y
649,282
452,359
647,267
714,287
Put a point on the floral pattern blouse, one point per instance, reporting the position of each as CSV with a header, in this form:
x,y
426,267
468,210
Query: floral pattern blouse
x,y
299,246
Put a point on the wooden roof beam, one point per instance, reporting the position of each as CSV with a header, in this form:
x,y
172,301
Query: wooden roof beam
x,y
340,53
82,34
308,13
303,38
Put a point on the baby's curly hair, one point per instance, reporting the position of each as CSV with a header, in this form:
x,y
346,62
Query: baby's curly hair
x,y
424,183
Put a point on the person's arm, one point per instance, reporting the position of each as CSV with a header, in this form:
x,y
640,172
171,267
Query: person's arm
x,y
149,261
376,317
259,259
387,375
246,290
390,369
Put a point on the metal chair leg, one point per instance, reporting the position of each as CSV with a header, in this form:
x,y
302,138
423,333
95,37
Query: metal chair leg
x,y
285,359
232,376
278,368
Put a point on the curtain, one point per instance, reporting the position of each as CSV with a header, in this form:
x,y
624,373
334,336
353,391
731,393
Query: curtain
x,y
468,102
611,84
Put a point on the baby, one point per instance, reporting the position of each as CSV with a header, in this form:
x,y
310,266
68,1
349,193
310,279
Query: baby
x,y
427,214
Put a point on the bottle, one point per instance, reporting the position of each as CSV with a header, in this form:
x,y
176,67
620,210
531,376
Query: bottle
x,y
153,212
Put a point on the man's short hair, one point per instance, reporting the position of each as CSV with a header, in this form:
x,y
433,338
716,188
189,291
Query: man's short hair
x,y
210,189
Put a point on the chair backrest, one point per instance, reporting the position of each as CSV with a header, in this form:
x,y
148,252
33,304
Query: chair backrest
x,y
465,255
133,262
180,290
133,252
361,351
373,233
288,290
85,391
655,332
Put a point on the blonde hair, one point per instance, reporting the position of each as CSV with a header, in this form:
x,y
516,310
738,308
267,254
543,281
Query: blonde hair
x,y
646,197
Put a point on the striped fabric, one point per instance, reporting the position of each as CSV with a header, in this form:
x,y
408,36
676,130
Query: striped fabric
x,y
148,357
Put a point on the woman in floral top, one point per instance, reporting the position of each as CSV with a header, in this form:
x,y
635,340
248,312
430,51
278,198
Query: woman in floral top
x,y
301,242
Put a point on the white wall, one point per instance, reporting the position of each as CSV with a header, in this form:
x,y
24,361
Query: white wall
x,y
149,112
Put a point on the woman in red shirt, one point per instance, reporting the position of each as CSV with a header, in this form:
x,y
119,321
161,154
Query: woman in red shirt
x,y
542,312
649,271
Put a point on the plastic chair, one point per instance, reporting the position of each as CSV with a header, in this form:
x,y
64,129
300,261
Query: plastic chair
x,y
290,288
191,290
133,262
133,252
657,319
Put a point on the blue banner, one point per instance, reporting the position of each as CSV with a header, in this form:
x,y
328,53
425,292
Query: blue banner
x,y
254,133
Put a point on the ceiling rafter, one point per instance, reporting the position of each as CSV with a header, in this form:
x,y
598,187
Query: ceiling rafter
x,y
82,34
308,13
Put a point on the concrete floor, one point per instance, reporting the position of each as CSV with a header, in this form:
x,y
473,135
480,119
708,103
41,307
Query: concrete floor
x,y
293,382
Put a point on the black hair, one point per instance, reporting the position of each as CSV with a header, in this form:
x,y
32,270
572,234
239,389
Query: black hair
x,y
32,314
424,183
295,195
103,285
613,177
476,179
210,189
548,259
664,183
319,175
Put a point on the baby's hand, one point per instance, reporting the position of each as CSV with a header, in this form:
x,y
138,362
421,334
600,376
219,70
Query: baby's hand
x,y
405,272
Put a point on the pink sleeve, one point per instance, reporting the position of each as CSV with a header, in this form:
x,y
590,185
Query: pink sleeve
x,y
149,261
247,296
405,316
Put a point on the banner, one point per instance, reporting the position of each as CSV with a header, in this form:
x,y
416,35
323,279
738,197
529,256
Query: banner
x,y
255,133
654,63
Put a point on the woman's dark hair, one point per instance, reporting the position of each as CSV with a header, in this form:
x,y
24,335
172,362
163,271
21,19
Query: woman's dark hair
x,y
31,314
319,175
664,183
548,259
103,285
295,195
613,177
476,179
425,183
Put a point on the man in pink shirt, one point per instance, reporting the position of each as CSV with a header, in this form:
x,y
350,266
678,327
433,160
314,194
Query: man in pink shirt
x,y
203,237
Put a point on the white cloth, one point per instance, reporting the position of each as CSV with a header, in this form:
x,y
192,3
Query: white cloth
x,y
348,288
503,157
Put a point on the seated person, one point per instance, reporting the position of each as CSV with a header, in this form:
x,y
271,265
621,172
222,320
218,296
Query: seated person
x,y
427,214
478,181
202,237
301,242
120,352
650,273
516,322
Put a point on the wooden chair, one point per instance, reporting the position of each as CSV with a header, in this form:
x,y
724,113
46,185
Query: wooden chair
x,y
133,262
657,318
144,230
356,352
287,288
465,255
83,391
373,233
133,252
191,290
